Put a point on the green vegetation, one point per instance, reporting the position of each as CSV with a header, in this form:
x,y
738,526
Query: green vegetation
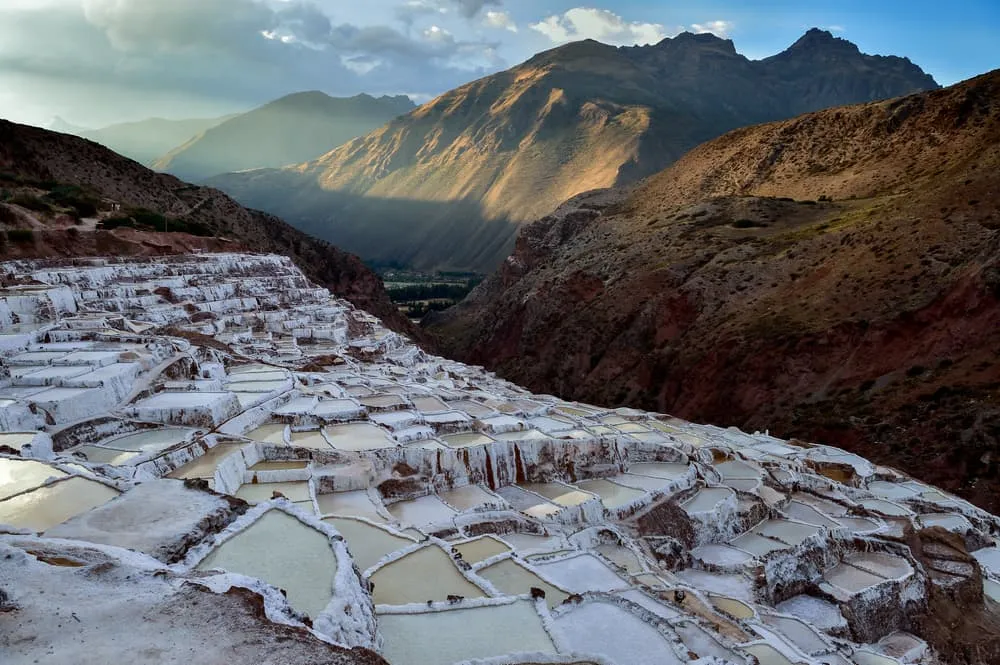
x,y
149,220
417,293
21,236
31,202
81,203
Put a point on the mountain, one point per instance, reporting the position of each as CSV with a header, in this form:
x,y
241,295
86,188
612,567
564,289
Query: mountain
x,y
834,277
43,173
144,140
293,129
449,184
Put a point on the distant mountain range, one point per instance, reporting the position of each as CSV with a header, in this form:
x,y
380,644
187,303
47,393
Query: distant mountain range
x,y
834,277
449,184
293,129
145,141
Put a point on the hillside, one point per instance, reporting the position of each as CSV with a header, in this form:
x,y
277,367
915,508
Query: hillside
x,y
729,289
44,176
296,128
449,184
145,141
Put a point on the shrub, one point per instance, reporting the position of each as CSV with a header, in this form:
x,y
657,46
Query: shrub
x,y
748,224
31,202
8,216
21,236
117,222
71,196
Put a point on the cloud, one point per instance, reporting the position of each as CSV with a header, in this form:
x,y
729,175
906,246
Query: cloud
x,y
836,28
500,20
600,24
471,8
717,28
98,61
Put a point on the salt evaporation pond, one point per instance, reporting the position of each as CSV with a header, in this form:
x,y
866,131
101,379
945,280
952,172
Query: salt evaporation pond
x,y
149,441
444,638
767,655
707,499
527,503
269,433
429,404
427,574
527,542
469,497
480,549
511,578
422,511
582,573
563,495
312,439
665,470
358,437
252,493
53,504
612,494
20,475
466,440
801,635
622,557
204,466
349,504
99,455
368,544
603,629
304,565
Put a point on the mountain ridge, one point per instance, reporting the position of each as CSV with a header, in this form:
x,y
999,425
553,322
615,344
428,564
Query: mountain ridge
x,y
292,129
510,147
832,277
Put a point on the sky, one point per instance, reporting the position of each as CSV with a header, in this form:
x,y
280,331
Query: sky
x,y
96,62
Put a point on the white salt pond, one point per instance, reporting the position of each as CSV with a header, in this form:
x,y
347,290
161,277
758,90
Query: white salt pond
x,y
511,578
603,629
304,566
530,542
204,466
149,441
254,493
579,574
707,499
466,440
622,557
312,439
563,495
98,455
422,511
269,433
429,404
612,494
349,504
358,437
665,470
528,503
798,633
19,475
721,555
469,497
480,549
53,504
444,638
767,655
474,409
368,544
426,574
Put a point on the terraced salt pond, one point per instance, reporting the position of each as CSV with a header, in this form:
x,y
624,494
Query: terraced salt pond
x,y
469,497
312,439
581,573
149,441
47,506
607,630
563,495
368,544
254,493
19,475
269,433
480,549
612,494
349,504
421,512
205,465
426,574
304,566
444,638
358,437
511,578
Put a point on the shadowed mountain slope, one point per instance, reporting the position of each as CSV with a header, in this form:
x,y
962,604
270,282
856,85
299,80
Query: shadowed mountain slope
x,y
293,129
729,289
